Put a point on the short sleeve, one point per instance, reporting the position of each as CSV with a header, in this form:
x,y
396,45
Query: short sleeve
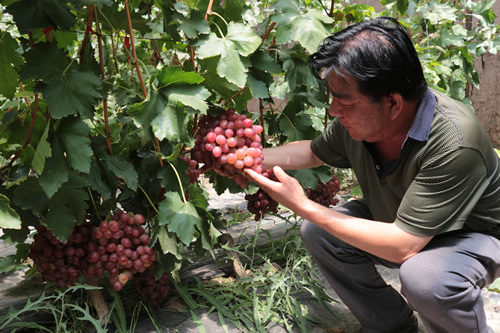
x,y
330,146
443,193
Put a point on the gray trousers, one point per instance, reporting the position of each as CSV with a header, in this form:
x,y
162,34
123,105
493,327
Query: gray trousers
x,y
442,283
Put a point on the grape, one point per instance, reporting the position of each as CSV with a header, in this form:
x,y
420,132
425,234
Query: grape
x,y
218,140
260,202
109,249
325,193
155,290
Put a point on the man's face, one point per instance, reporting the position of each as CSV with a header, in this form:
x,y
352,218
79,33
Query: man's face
x,y
363,119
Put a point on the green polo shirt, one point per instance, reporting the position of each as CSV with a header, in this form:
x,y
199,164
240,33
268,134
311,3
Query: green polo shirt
x,y
447,177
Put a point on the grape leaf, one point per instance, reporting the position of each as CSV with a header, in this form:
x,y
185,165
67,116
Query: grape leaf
x,y
209,47
45,62
8,216
42,151
56,171
231,67
258,88
243,38
168,243
34,14
98,180
71,93
297,72
74,135
122,169
193,25
68,207
292,25
171,123
30,195
193,96
180,217
175,75
10,61
297,128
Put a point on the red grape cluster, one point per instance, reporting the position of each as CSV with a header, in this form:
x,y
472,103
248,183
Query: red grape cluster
x,y
120,247
228,143
325,194
156,290
60,262
260,202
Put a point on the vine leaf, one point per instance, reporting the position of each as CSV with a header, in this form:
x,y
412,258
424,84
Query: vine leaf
x,y
8,216
244,39
122,169
293,25
231,67
168,243
68,207
74,135
10,61
72,93
45,62
180,217
42,151
24,198
56,170
34,14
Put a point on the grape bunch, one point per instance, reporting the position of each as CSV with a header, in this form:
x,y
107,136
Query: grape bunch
x,y
156,290
325,193
228,143
119,247
59,262
260,202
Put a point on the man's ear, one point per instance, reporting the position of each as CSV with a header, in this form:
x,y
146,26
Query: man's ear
x,y
395,102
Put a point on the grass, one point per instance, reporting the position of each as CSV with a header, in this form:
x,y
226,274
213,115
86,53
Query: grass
x,y
278,277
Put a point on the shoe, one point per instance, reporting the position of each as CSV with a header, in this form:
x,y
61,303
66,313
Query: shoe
x,y
410,325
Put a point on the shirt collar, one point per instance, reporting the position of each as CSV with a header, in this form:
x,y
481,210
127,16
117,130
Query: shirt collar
x,y
421,126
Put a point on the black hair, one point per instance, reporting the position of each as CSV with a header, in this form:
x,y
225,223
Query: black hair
x,y
378,54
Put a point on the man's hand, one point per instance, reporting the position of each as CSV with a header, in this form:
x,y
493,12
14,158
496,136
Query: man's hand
x,y
287,191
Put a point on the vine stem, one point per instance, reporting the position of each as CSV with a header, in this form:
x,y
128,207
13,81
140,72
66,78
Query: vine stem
x,y
105,100
138,69
149,199
179,180
87,31
209,9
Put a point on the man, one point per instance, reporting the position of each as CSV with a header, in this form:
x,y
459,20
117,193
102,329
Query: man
x,y
430,180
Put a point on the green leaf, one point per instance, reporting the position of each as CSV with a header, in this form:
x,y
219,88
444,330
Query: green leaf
x,y
74,135
98,180
175,75
122,169
171,124
231,68
34,14
244,38
9,219
209,47
68,207
42,151
258,88
438,13
10,61
56,171
45,62
293,25
30,195
168,243
71,93
180,217
193,96
194,25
